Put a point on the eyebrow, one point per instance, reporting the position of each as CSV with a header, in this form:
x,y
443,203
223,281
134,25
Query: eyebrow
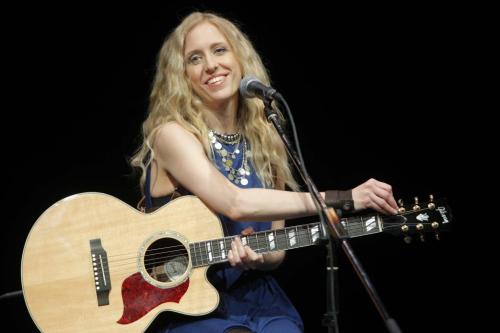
x,y
190,53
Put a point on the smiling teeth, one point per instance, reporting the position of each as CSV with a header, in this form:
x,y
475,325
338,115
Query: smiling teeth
x,y
216,80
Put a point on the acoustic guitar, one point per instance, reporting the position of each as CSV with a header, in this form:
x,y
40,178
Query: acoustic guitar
x,y
92,263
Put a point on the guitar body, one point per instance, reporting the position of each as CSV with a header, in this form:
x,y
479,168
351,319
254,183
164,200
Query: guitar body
x,y
60,270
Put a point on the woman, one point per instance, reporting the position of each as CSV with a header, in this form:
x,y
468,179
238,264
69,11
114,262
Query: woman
x,y
201,138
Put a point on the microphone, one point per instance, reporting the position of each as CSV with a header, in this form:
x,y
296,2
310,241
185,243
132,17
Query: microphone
x,y
250,86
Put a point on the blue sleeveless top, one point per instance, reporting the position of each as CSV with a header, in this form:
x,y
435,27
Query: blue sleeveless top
x,y
251,299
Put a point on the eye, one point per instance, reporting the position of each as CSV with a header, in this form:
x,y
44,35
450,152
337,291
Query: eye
x,y
220,50
194,59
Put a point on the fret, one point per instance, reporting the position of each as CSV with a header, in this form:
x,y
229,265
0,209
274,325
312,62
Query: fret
x,y
309,236
263,245
315,233
359,226
197,254
371,224
303,236
271,236
222,249
204,252
351,225
194,256
252,242
292,237
215,250
209,251
194,261
281,239
227,242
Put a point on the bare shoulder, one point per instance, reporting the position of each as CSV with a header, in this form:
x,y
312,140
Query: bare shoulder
x,y
172,134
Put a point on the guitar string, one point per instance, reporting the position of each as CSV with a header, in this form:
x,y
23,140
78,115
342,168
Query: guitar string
x,y
198,256
170,254
203,257
358,227
217,241
181,250
355,228
161,259
201,260
202,254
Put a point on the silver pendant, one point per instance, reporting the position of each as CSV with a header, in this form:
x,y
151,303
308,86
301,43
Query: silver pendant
x,y
244,181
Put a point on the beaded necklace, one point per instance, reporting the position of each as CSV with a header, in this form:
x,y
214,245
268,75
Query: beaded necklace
x,y
238,175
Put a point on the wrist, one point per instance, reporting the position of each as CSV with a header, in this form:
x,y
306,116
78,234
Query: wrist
x,y
340,200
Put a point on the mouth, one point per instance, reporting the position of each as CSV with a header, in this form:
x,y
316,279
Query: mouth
x,y
217,80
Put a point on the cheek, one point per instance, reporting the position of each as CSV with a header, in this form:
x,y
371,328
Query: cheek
x,y
192,75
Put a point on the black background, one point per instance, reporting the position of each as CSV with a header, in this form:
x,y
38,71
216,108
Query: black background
x,y
374,93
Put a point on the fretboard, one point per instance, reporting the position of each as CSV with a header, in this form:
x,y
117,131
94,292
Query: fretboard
x,y
215,251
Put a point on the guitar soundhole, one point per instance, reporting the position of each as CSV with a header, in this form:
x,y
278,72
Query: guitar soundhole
x,y
166,260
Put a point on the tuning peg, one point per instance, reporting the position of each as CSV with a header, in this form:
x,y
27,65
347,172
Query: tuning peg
x,y
401,208
416,206
435,226
420,227
404,229
431,204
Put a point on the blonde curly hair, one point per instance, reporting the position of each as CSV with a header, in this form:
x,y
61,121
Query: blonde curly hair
x,y
173,99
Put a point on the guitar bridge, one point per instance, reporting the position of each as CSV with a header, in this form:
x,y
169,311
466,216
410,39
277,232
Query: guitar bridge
x,y
100,270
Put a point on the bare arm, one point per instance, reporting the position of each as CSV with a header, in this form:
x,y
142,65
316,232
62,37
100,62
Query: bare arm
x,y
182,155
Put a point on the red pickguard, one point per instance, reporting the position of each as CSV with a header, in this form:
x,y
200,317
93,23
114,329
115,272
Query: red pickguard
x,y
139,297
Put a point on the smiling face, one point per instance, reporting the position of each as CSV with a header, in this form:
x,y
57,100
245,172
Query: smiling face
x,y
211,66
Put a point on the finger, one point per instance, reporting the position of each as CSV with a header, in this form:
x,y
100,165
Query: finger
x,y
389,202
247,231
390,196
239,253
380,205
230,258
393,204
239,246
234,254
383,185
253,258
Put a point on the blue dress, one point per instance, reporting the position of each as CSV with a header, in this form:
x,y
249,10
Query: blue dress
x,y
251,299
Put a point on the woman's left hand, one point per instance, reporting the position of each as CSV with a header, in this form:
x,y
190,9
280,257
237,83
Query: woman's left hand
x,y
243,256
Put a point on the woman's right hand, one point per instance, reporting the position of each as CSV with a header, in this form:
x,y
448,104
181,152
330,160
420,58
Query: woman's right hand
x,y
375,195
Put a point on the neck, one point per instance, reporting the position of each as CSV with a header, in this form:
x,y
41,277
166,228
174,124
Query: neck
x,y
223,117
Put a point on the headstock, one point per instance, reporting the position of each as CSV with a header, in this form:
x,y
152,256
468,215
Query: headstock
x,y
419,218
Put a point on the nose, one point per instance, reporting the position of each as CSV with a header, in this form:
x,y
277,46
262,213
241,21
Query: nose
x,y
211,65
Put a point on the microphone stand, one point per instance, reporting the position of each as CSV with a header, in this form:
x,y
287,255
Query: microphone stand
x,y
330,223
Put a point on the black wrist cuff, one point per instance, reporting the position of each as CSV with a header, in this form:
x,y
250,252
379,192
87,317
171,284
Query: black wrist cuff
x,y
340,200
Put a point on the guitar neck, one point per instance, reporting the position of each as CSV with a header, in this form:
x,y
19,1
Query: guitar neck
x,y
215,251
